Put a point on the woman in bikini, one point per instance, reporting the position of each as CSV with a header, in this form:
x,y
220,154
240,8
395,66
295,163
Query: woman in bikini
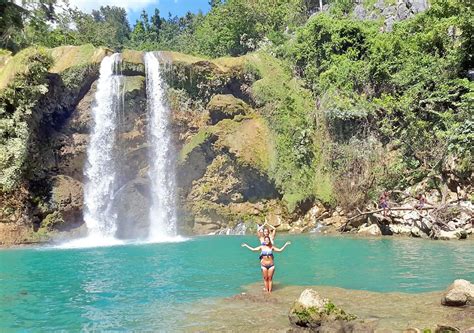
x,y
266,260
263,232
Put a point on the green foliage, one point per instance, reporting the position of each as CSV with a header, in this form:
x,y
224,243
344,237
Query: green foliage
x,y
228,29
290,113
106,27
17,116
197,140
406,88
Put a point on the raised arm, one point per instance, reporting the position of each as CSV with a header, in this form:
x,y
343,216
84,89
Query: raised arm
x,y
276,249
272,231
260,230
254,249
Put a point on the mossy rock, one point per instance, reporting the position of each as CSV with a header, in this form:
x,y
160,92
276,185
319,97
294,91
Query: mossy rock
x,y
226,107
202,78
133,57
203,137
52,221
16,65
132,63
248,138
133,84
314,317
66,57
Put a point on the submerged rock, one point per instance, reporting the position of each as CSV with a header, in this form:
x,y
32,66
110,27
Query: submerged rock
x,y
460,293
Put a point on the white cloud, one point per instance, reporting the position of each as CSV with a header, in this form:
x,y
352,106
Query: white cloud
x,y
129,5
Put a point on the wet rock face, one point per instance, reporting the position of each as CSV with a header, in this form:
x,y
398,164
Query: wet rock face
x,y
132,204
223,162
67,198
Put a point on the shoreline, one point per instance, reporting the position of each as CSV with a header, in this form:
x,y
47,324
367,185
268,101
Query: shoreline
x,y
325,233
255,310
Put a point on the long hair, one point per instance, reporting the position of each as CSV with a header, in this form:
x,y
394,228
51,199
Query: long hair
x,y
269,241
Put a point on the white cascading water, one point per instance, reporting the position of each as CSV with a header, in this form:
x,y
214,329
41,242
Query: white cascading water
x,y
100,170
162,177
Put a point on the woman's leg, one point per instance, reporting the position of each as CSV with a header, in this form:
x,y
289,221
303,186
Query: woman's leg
x,y
270,278
265,277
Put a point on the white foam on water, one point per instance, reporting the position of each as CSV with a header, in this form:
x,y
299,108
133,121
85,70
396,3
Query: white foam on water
x,y
93,242
90,242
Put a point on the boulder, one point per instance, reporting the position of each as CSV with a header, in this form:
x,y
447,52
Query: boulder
x,y
371,230
336,221
313,311
424,225
225,107
412,215
205,226
283,227
459,293
416,232
449,235
295,230
400,229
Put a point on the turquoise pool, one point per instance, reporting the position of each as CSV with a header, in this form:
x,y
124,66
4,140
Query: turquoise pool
x,y
143,286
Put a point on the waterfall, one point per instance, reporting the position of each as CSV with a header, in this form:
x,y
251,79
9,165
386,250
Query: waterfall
x,y
100,169
162,178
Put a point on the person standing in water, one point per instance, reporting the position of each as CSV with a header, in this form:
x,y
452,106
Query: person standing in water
x,y
267,263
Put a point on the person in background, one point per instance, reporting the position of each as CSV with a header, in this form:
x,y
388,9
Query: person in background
x,y
264,231
383,202
267,263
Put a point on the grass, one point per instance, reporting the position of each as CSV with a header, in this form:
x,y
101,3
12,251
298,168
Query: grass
x,y
66,57
13,66
132,56
225,64
202,136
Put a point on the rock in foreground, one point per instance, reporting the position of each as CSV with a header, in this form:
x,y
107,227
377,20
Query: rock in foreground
x,y
312,311
460,293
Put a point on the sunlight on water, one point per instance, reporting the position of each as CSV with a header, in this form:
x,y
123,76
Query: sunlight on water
x,y
150,286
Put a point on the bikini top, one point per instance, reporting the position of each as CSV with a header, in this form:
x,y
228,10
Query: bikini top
x,y
266,253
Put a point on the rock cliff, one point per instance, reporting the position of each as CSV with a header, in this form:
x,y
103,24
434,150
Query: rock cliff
x,y
224,147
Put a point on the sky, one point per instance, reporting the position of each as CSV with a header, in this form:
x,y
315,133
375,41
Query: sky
x,y
134,7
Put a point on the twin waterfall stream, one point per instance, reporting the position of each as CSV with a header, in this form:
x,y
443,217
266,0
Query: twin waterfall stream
x,y
101,179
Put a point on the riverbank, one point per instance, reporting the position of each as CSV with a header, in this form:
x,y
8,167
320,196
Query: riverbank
x,y
256,311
